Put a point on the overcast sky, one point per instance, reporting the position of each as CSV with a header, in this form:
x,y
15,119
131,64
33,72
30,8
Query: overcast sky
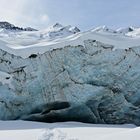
x,y
82,13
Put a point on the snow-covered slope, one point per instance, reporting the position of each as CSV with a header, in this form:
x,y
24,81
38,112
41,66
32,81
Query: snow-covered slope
x,y
134,33
125,30
130,31
26,43
91,76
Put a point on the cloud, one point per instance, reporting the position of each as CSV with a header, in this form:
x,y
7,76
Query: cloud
x,y
11,11
23,13
26,13
44,18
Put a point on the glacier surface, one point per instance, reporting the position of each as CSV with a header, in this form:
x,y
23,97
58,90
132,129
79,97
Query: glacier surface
x,y
84,77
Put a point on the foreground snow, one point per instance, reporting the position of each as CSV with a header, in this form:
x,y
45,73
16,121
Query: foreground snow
x,y
21,130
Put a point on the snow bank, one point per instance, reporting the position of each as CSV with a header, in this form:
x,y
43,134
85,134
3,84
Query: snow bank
x,y
20,130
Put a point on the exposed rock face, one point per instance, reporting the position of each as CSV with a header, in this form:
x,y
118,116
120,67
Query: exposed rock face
x,y
91,83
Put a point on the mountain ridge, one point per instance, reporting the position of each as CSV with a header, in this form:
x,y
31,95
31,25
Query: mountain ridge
x,y
8,26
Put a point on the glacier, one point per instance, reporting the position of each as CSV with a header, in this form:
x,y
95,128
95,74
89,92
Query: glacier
x,y
91,77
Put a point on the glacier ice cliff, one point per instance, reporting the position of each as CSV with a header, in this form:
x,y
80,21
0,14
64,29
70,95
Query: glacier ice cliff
x,y
90,83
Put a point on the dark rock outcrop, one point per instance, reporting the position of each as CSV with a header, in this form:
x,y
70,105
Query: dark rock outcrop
x,y
8,26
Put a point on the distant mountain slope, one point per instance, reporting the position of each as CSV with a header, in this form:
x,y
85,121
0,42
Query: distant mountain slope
x,y
128,31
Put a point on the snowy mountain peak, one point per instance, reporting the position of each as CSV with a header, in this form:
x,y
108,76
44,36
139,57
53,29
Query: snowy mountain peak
x,y
74,29
9,26
104,28
59,30
57,25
